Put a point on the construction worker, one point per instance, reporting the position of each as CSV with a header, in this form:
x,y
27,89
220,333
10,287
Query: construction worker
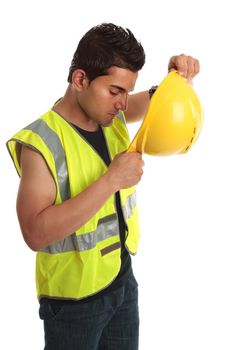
x,y
76,202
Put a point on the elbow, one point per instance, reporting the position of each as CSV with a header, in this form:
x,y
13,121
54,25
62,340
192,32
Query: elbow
x,y
31,243
32,239
34,230
33,246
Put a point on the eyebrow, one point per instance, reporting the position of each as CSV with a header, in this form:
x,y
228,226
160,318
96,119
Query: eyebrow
x,y
120,88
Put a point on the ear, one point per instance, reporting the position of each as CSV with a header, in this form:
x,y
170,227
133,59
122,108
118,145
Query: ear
x,y
80,80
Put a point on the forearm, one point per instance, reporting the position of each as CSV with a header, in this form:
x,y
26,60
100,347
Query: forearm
x,y
138,105
59,221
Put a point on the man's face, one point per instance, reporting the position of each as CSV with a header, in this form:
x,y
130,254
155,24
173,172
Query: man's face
x,y
107,94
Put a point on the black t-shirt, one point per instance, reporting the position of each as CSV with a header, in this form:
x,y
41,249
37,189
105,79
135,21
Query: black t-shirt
x,y
97,140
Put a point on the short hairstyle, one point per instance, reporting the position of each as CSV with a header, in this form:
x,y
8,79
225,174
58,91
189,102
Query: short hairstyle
x,y
104,46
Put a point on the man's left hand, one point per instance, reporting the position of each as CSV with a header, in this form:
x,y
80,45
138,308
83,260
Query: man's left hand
x,y
186,66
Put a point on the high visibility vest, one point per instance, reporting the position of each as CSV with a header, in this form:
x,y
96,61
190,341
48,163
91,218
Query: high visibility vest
x,y
88,260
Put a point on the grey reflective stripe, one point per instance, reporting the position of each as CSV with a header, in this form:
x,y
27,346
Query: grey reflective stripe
x,y
129,205
107,227
120,116
53,142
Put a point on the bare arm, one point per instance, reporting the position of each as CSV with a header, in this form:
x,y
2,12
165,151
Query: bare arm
x,y
42,222
137,106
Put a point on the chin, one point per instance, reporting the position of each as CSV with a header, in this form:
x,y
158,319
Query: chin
x,y
107,123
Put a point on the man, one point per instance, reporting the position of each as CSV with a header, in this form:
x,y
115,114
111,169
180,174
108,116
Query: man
x,y
76,202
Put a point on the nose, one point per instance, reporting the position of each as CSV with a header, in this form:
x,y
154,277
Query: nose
x,y
122,103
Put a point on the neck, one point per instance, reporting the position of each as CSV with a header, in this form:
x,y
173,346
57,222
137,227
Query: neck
x,y
71,110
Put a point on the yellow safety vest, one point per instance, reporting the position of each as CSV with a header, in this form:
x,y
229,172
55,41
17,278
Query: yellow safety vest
x,y
88,260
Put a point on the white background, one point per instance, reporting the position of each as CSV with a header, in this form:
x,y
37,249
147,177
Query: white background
x,y
184,263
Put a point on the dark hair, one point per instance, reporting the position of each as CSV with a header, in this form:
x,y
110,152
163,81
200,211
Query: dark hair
x,y
104,46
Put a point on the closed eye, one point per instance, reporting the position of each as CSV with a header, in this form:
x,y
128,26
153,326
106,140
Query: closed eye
x,y
114,93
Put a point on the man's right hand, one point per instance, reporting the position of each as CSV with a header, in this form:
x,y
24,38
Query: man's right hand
x,y
126,170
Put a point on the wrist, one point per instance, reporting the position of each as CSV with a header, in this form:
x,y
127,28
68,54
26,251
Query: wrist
x,y
152,90
110,182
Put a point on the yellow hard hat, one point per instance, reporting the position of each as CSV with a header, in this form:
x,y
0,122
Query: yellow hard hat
x,y
173,120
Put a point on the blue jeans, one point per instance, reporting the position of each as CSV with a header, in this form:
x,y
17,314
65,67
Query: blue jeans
x,y
108,323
